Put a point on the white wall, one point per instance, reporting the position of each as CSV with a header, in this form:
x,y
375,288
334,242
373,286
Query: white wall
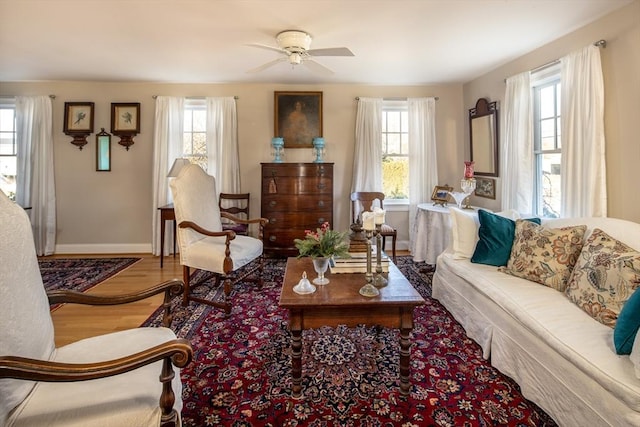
x,y
112,211
621,70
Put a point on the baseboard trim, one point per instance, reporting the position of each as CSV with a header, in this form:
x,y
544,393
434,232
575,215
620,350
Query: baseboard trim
x,y
103,248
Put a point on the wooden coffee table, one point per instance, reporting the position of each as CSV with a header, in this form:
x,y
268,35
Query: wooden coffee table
x,y
339,303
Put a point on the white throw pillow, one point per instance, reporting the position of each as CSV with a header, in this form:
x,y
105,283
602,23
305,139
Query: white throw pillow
x,y
464,230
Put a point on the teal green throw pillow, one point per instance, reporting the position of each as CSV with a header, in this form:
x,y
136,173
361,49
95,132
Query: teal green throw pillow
x,y
624,333
495,239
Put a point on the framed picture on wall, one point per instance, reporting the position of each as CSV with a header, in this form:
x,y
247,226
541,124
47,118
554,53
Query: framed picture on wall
x,y
486,187
298,118
125,118
78,117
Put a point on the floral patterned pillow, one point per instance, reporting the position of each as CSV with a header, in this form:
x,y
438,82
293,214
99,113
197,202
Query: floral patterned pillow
x,y
545,255
605,276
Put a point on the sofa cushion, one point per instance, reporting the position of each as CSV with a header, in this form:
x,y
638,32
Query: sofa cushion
x,y
464,232
495,238
627,324
545,255
605,276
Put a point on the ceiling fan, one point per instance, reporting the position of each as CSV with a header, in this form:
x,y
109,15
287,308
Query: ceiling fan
x,y
294,45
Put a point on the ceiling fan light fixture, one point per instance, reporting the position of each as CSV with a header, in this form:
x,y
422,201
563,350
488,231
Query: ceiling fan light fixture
x,y
293,40
295,58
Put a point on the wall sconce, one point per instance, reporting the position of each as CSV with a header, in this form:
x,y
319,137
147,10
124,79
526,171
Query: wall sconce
x,y
125,122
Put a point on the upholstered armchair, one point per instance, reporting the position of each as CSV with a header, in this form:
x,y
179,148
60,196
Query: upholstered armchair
x,y
126,378
204,245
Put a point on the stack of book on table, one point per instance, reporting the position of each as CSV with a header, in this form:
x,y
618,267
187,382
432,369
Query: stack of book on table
x,y
358,263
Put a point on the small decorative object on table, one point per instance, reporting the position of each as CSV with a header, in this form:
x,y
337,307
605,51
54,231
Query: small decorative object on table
x,y
440,194
468,186
321,245
304,286
278,149
318,148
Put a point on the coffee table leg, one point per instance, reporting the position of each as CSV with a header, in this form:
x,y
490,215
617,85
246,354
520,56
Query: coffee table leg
x,y
295,326
405,350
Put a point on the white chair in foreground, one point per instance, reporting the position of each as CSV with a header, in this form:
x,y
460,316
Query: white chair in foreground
x,y
204,245
123,379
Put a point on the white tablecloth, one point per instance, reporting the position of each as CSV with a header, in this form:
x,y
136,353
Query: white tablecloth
x,y
432,227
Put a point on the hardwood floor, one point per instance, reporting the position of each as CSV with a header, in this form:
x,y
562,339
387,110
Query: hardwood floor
x,y
73,322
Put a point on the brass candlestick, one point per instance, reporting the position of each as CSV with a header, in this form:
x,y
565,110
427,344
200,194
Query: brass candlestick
x,y
368,290
379,280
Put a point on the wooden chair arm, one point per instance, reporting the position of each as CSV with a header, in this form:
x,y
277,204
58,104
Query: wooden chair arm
x,y
170,288
229,234
179,352
261,221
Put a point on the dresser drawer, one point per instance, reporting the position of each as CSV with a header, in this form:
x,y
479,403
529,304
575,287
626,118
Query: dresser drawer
x,y
298,220
296,203
297,170
299,185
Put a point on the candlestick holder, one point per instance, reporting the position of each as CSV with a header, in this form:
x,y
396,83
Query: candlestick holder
x,y
278,148
368,290
318,147
379,280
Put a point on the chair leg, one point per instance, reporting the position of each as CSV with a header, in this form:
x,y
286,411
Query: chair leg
x,y
185,278
393,246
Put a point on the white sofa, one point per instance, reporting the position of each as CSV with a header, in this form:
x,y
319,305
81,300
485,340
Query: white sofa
x,y
563,359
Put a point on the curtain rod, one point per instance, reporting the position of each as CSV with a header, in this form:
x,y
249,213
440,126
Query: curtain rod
x,y
395,99
195,97
600,43
13,96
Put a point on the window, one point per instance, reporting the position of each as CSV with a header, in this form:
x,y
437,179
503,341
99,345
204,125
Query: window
x,y
395,150
547,144
8,154
194,145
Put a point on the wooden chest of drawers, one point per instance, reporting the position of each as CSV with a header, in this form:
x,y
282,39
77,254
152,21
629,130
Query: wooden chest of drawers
x,y
295,197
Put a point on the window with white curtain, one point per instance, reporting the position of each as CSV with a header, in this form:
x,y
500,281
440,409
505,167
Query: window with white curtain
x,y
8,153
547,142
195,132
395,150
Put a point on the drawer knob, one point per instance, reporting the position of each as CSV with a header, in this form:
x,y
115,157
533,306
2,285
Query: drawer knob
x,y
321,220
321,186
272,221
273,203
321,203
272,238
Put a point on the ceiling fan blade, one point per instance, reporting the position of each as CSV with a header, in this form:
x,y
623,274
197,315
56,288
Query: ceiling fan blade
x,y
267,65
331,51
264,46
316,67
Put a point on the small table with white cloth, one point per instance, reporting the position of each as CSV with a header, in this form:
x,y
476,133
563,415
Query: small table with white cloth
x,y
432,230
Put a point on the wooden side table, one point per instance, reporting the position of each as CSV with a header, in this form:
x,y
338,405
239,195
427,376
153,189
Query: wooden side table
x,y
166,214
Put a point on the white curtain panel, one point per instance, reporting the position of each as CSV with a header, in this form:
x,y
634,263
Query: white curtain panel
x,y
35,186
167,146
516,149
423,161
222,144
367,166
584,190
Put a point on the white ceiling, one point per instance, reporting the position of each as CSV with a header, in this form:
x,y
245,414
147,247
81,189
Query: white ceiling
x,y
395,42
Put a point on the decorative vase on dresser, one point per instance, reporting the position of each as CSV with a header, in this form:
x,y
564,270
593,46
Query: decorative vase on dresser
x,y
295,197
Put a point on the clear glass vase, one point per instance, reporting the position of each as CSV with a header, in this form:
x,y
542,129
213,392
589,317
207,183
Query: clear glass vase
x,y
320,264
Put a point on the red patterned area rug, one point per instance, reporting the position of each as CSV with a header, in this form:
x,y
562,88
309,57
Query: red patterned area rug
x,y
79,274
241,374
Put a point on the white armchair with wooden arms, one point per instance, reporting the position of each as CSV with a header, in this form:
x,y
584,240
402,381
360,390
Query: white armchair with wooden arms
x,y
126,378
204,245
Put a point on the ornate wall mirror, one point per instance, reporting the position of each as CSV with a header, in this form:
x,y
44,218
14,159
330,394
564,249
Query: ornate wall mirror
x,y
483,131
